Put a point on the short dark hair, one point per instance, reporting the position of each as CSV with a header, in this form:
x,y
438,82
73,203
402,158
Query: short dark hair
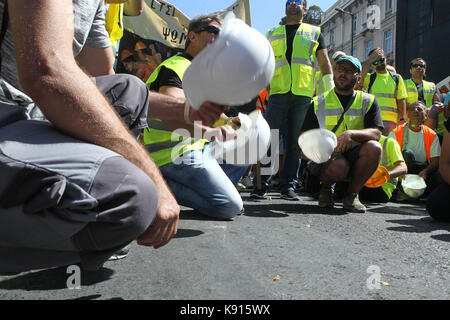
x,y
200,22
415,59
371,51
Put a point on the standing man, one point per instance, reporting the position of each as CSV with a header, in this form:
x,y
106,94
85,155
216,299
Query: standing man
x,y
417,87
296,46
354,116
388,88
195,178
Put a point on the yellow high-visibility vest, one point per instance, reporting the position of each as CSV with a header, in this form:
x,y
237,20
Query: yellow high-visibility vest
x,y
114,23
329,109
429,89
163,144
298,76
386,95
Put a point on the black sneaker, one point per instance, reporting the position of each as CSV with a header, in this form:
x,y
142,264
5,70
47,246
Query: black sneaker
x,y
258,194
289,194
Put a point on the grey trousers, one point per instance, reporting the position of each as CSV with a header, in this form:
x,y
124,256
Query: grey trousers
x,y
65,201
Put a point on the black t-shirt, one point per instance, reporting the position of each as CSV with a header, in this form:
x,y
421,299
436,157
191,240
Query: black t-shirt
x,y
372,118
420,92
291,29
167,77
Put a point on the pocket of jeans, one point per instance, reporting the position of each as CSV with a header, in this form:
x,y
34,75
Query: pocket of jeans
x,y
38,189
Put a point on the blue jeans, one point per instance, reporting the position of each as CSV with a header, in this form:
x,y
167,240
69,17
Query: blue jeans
x,y
200,183
287,111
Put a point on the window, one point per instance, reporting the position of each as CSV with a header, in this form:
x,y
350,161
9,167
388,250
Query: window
x,y
369,47
354,23
388,5
388,41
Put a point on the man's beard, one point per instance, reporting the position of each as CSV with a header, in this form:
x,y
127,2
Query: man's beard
x,y
345,87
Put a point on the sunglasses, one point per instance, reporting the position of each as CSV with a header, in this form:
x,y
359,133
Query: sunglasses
x,y
294,2
416,65
379,61
210,29
341,69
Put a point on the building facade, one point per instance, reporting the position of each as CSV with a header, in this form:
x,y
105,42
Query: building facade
x,y
358,26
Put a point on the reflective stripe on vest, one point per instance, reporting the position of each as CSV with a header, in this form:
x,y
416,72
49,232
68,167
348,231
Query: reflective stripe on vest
x,y
429,89
298,76
163,144
428,137
328,110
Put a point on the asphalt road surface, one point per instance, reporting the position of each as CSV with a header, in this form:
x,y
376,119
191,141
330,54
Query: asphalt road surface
x,y
277,250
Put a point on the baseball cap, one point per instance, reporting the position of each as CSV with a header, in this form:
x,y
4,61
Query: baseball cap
x,y
338,53
352,60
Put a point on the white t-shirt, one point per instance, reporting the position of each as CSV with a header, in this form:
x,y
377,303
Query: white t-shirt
x,y
414,142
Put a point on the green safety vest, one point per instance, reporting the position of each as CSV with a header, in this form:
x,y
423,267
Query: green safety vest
x,y
429,89
163,144
298,76
386,97
389,186
328,110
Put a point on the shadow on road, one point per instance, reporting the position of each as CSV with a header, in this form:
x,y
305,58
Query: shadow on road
x,y
187,233
282,210
423,225
53,279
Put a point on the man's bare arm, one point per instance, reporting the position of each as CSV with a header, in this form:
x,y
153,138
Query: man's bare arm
x,y
43,34
133,7
324,62
96,61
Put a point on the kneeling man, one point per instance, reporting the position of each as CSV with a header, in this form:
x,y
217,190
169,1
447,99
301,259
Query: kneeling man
x,y
355,118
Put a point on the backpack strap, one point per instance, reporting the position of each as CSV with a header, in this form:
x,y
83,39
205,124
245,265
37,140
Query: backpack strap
x,y
373,76
397,80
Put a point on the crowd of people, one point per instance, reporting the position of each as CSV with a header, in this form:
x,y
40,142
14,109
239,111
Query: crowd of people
x,y
90,160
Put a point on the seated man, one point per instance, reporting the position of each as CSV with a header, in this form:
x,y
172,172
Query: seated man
x,y
420,145
438,204
355,118
393,161
78,186
195,178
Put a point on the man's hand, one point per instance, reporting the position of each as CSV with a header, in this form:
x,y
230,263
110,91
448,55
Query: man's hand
x,y
376,55
423,174
165,224
343,140
221,134
208,113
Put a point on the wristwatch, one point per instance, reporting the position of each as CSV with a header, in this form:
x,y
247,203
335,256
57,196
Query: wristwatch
x,y
447,124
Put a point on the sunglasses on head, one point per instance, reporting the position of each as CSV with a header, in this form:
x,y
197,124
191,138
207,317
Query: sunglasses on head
x,y
416,65
210,29
294,2
379,61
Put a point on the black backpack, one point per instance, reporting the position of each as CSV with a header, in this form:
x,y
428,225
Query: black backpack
x,y
394,76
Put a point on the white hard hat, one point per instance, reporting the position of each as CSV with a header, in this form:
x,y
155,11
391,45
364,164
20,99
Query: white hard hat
x,y
233,69
413,185
337,53
318,144
251,144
